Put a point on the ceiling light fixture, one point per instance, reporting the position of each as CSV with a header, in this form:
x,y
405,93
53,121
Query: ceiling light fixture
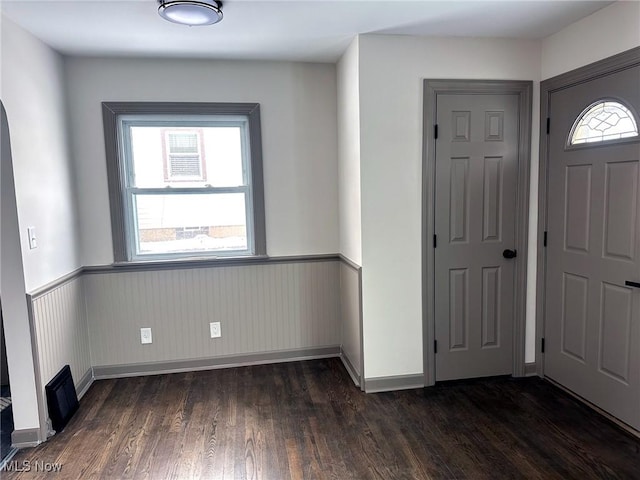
x,y
191,12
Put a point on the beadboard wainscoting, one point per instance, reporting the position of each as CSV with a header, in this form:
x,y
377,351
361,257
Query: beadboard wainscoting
x,y
350,310
263,308
270,310
60,335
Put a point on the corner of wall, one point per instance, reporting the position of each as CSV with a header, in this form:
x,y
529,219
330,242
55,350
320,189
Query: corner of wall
x,y
609,31
349,134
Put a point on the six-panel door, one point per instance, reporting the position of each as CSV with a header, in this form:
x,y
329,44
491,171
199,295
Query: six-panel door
x,y
592,318
476,180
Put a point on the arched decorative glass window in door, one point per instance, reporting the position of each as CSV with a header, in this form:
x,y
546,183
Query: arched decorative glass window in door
x,y
602,121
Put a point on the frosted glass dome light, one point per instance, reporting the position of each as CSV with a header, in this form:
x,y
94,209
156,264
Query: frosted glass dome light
x,y
191,12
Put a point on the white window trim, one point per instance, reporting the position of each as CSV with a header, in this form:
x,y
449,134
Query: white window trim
x,y
120,193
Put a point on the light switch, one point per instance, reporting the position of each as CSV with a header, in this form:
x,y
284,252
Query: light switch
x,y
33,242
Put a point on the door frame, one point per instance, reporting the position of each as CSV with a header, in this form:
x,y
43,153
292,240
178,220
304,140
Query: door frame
x,y
433,88
621,61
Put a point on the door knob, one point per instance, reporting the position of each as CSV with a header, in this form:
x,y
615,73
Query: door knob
x,y
510,253
632,284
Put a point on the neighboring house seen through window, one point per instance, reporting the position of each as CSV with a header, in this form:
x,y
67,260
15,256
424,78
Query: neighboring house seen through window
x,y
185,180
184,155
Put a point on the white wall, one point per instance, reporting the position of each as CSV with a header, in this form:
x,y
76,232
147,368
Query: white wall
x,y
299,139
611,30
33,95
14,301
32,92
348,78
392,69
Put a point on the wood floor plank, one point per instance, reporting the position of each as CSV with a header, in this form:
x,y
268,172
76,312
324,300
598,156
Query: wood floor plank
x,y
306,420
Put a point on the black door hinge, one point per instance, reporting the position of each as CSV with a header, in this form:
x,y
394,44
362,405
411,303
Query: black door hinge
x,y
435,131
435,346
542,345
435,241
544,241
548,125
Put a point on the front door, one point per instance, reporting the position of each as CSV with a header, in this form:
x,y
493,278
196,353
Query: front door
x,y
592,318
476,177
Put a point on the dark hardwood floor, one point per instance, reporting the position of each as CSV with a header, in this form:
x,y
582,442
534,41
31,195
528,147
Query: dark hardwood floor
x,y
307,420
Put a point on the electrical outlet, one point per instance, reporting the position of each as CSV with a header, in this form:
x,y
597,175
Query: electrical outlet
x,y
145,336
33,241
214,327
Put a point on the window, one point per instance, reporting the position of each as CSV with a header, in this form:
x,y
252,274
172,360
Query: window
x,y
602,121
183,155
185,180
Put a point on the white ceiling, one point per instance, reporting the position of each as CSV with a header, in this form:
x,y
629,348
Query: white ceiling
x,y
302,30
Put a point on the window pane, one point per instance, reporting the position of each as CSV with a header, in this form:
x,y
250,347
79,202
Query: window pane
x,y
603,121
190,223
193,156
184,166
183,142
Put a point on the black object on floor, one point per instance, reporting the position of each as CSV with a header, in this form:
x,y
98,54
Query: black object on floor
x,y
62,399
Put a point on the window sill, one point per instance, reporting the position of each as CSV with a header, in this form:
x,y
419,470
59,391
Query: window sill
x,y
168,265
195,262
